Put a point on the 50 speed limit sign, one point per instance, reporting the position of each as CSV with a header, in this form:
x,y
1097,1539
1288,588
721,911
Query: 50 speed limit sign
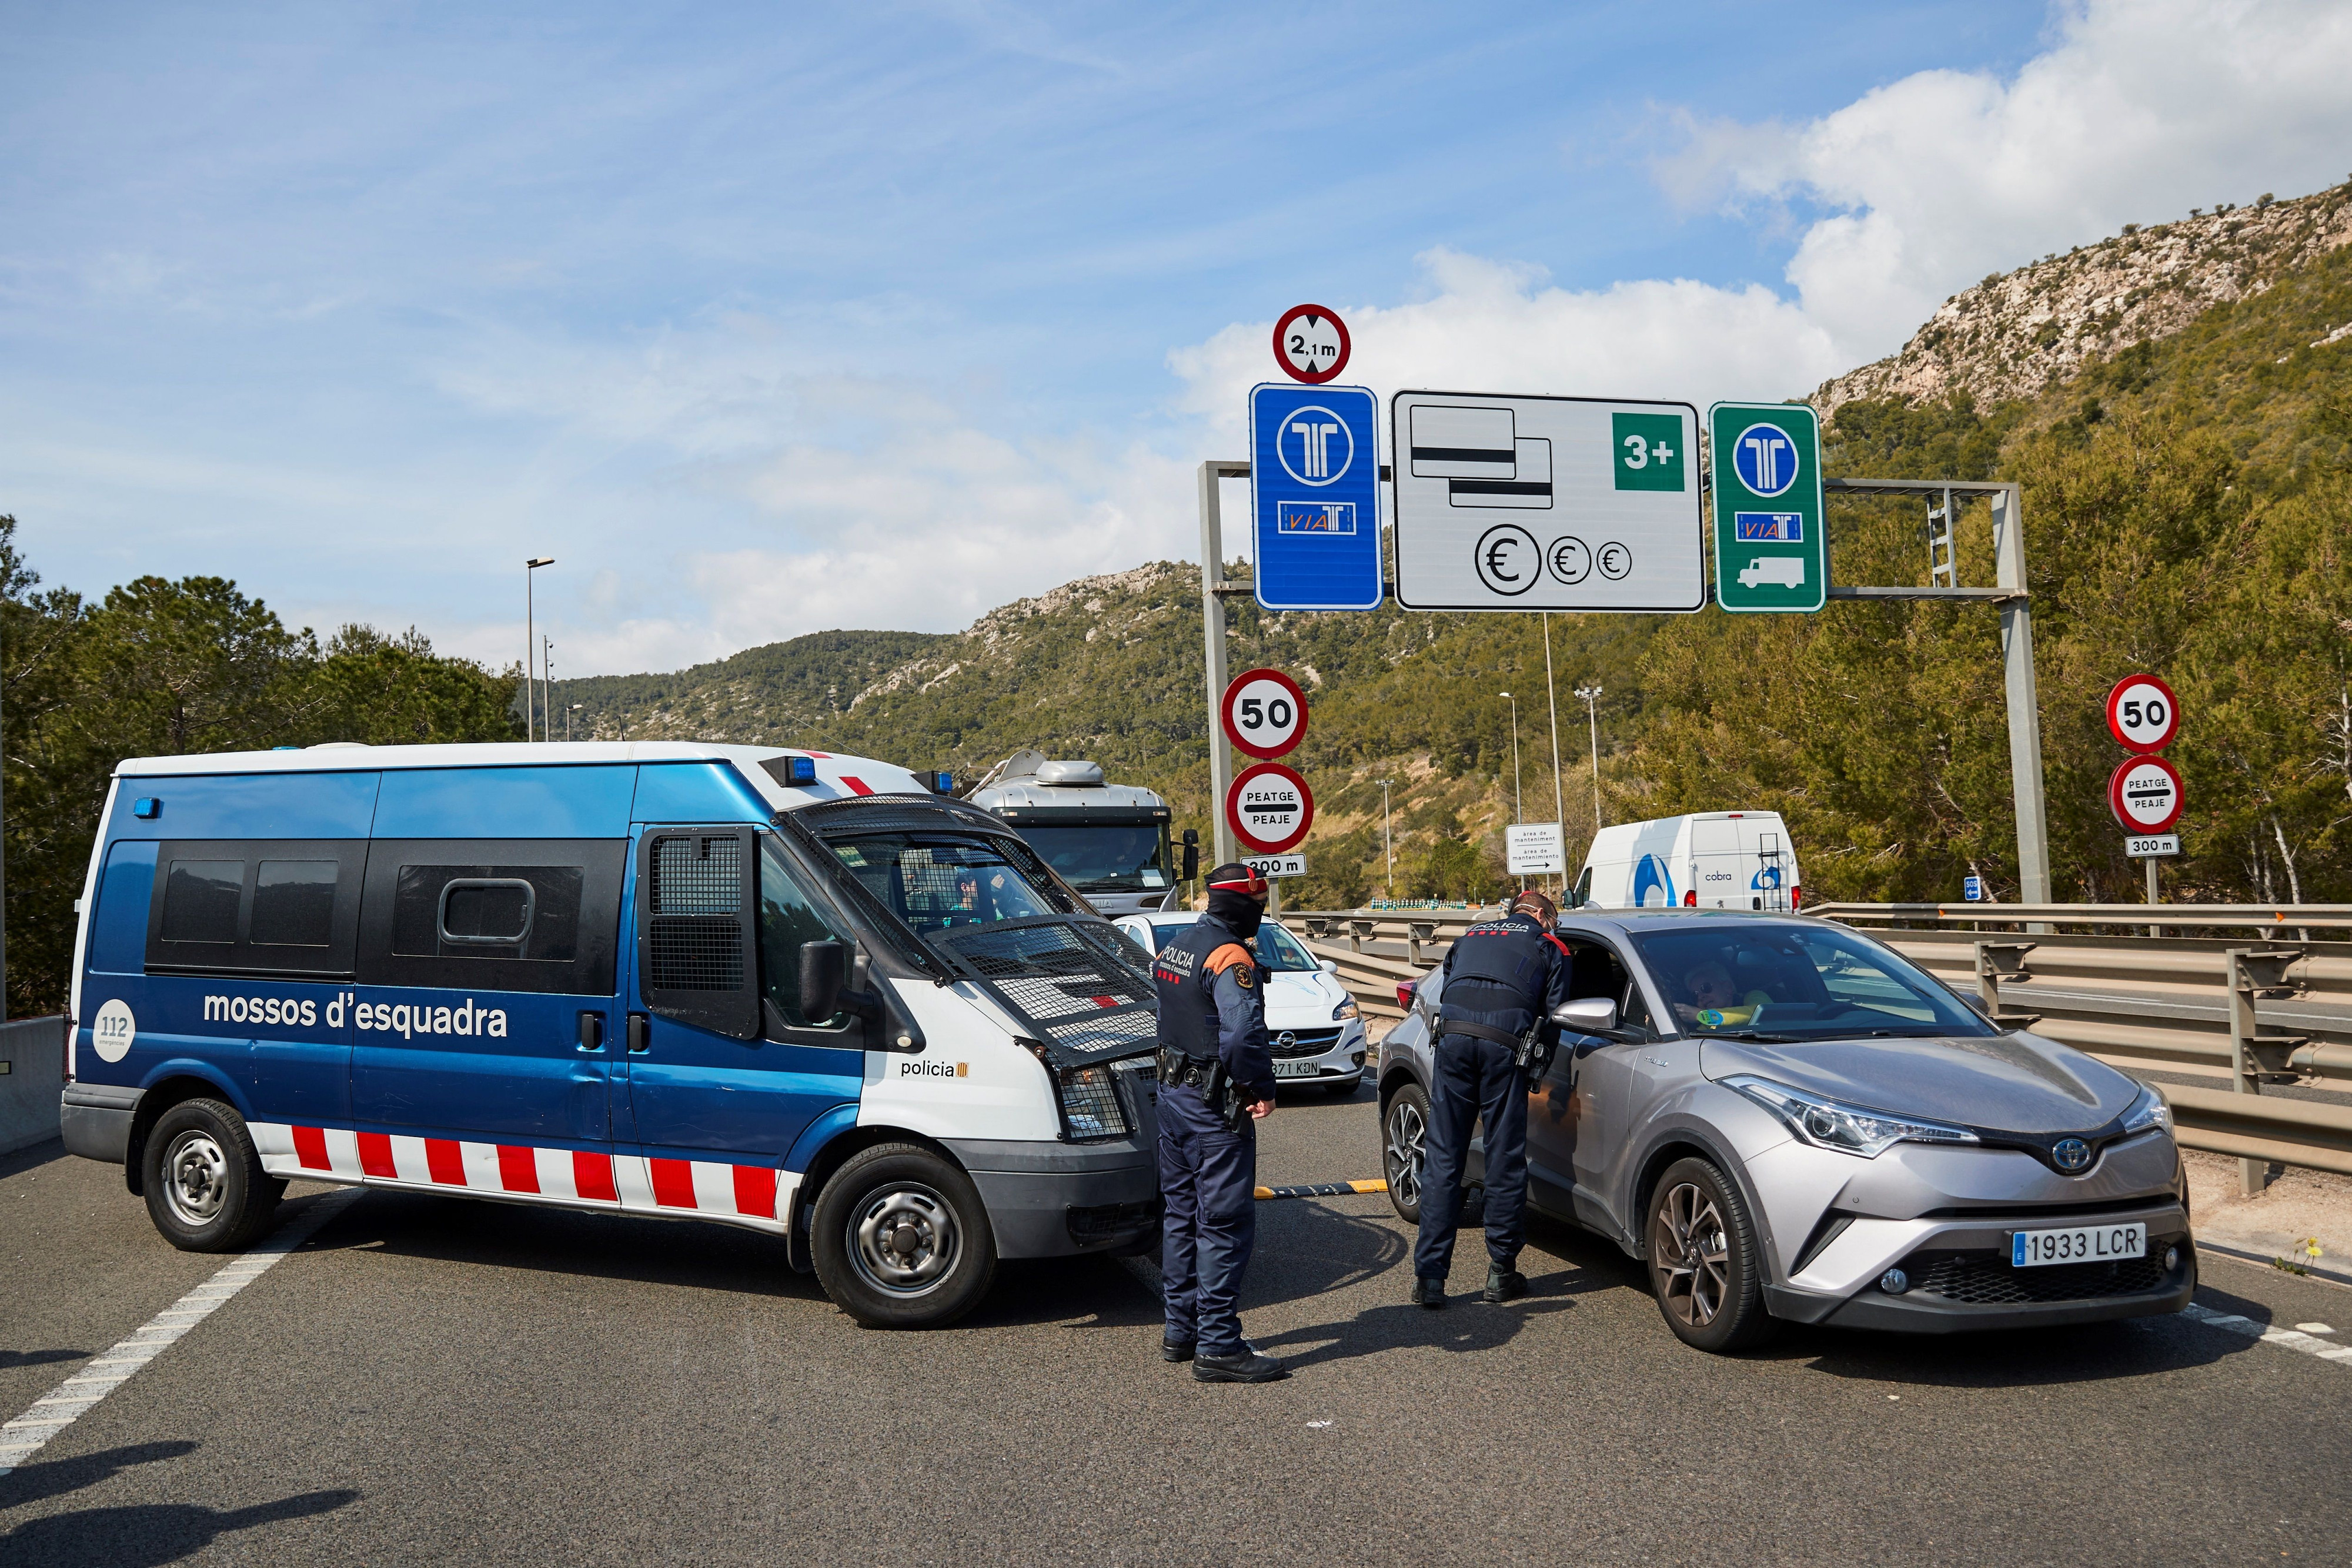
x,y
2143,713
1264,713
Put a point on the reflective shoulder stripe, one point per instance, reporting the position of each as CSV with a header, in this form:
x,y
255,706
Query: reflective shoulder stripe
x,y
1226,956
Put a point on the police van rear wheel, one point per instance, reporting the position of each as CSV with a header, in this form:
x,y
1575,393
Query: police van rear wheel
x,y
901,1240
1404,1137
206,1191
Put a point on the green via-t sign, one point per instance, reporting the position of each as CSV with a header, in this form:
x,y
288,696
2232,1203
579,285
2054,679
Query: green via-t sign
x,y
1770,549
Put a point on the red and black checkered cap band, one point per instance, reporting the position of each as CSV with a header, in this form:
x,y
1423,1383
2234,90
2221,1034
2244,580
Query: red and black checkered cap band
x,y
1239,879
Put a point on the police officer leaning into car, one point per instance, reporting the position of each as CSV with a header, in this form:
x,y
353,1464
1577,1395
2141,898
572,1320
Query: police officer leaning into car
x,y
1216,1077
1503,976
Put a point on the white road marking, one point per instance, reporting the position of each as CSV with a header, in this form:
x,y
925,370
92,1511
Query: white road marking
x,y
2315,1328
2293,1339
21,1438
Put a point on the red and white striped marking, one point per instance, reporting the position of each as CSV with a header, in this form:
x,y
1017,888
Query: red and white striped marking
x,y
745,1195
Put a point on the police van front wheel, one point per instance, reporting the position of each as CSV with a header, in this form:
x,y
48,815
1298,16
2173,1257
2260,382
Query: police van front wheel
x,y
206,1191
901,1240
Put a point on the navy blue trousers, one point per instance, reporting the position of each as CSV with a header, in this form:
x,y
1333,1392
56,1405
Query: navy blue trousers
x,y
1208,1179
1476,1083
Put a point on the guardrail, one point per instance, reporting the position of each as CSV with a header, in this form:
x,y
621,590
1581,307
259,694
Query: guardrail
x,y
2263,1003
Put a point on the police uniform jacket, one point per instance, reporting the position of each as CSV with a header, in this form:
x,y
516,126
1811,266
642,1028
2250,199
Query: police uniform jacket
x,y
1213,1004
1504,974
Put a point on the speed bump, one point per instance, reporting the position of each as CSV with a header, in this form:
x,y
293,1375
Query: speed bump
x,y
1323,1189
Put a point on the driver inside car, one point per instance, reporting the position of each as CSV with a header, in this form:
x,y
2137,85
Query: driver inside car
x,y
1715,1000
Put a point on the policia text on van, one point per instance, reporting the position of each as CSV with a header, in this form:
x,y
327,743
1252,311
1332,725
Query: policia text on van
x,y
789,991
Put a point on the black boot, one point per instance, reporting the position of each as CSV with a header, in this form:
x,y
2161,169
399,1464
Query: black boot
x,y
1244,1366
1430,1293
1504,1284
1172,1350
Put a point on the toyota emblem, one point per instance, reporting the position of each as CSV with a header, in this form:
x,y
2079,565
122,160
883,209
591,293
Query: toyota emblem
x,y
2071,1153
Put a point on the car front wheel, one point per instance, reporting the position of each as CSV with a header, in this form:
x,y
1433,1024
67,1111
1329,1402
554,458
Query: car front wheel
x,y
1704,1266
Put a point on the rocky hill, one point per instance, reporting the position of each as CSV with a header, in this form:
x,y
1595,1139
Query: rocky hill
x,y
2015,335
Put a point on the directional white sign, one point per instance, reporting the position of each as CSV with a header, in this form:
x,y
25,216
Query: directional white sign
x,y
1545,503
2151,846
1271,866
1534,849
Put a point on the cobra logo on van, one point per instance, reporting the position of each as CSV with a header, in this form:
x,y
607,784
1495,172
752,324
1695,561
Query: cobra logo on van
x,y
407,1019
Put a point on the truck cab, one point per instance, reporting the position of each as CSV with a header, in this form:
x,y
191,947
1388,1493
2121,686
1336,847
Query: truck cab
x,y
1110,842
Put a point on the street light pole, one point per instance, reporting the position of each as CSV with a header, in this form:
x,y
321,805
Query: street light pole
x,y
567,720
530,646
1388,884
547,681
1519,807
1591,695
1551,701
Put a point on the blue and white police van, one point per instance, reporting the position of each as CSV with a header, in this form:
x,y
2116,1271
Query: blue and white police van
x,y
783,990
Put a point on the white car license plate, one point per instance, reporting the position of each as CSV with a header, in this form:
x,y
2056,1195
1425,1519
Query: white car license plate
x,y
1305,1069
2083,1244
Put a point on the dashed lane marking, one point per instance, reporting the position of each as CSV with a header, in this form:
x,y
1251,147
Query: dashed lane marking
x,y
21,1438
2293,1339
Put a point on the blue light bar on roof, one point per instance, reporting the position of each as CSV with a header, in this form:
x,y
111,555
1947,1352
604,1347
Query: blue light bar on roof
x,y
799,770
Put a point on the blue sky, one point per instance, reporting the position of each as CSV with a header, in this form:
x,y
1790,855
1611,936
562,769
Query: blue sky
x,y
767,319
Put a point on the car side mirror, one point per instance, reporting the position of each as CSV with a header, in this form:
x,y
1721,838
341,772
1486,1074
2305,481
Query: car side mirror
x,y
1191,867
1329,967
1587,1015
825,973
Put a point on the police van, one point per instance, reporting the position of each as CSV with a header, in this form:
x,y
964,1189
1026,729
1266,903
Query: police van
x,y
783,990
1705,859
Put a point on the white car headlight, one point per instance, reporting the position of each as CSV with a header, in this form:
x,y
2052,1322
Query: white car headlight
x,y
1347,1010
2149,1111
1850,1129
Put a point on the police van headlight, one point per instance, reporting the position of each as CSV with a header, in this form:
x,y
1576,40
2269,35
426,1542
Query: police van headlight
x,y
1090,1106
1346,1010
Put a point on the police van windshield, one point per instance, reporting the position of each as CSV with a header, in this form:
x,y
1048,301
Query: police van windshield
x,y
938,882
1100,859
1818,983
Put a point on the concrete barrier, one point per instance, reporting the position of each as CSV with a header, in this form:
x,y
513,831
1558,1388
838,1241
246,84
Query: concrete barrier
x,y
33,1050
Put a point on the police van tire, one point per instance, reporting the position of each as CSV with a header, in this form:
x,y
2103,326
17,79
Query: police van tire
x,y
1705,1267
901,1240
1404,1134
206,1191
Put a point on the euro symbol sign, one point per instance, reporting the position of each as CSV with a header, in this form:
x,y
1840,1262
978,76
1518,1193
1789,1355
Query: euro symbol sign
x,y
1495,562
1503,550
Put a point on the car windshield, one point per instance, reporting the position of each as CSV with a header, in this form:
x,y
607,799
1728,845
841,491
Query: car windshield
x,y
1278,950
1796,983
936,882
1098,859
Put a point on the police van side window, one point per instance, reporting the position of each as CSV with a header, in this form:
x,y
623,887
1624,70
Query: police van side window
x,y
535,914
264,908
789,917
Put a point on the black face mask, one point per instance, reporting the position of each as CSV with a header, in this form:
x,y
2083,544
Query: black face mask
x,y
1238,911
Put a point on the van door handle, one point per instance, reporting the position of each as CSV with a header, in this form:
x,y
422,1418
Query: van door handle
x,y
591,1031
641,1034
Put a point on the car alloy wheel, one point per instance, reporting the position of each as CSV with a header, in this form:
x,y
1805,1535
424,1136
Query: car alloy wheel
x,y
1406,1153
904,1240
196,1179
1690,1255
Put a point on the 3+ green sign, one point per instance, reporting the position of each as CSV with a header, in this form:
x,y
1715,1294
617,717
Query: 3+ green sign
x,y
1770,549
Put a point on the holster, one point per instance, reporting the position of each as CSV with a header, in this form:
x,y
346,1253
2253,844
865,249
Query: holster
x,y
1215,1085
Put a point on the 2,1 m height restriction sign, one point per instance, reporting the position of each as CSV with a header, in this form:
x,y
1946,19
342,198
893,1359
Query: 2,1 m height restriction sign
x,y
1770,549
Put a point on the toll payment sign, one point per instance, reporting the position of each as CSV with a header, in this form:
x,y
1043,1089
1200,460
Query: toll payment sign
x,y
2144,794
1269,808
1264,713
1310,344
2142,713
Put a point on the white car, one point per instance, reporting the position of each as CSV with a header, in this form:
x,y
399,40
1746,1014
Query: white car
x,y
1312,1023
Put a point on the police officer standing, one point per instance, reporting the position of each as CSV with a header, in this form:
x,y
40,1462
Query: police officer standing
x,y
1216,1078
1503,977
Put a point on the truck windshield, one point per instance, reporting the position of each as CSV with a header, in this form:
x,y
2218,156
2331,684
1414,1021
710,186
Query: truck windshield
x,y
936,882
1824,983
1095,858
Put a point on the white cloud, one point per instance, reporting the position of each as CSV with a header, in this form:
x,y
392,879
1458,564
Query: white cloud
x,y
2139,110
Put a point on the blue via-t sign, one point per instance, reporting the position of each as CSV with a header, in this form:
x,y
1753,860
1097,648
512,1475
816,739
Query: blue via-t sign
x,y
1315,497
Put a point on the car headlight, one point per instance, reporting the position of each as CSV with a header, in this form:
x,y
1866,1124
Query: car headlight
x,y
1346,1010
1850,1129
2149,1111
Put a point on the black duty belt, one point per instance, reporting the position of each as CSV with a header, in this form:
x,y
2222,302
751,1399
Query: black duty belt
x,y
1477,1031
1193,1074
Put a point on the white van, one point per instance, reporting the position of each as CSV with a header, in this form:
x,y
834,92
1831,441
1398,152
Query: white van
x,y
1708,859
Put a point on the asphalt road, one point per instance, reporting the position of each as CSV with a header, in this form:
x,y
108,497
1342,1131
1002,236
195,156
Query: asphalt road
x,y
441,1378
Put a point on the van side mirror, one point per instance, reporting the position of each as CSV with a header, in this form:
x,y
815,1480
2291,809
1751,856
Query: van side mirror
x,y
1191,867
825,972
1587,1015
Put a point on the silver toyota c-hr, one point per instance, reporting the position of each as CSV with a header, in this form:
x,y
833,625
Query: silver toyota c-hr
x,y
1787,1120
